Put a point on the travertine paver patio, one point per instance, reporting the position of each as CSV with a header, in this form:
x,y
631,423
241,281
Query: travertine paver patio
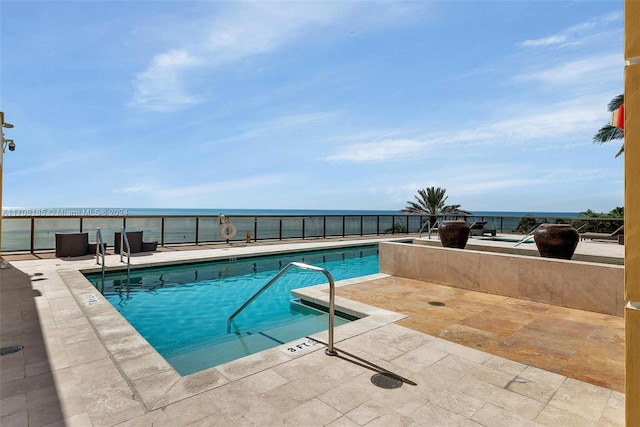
x,y
579,344
72,373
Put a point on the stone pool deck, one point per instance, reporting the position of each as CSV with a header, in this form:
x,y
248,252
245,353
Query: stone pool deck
x,y
477,360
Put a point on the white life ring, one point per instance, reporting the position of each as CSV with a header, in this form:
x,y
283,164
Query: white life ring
x,y
228,230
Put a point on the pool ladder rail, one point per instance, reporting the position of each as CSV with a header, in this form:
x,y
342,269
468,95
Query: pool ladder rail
x,y
332,293
431,228
101,251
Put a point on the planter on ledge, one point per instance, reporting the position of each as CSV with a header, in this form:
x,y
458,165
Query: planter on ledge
x,y
453,234
556,240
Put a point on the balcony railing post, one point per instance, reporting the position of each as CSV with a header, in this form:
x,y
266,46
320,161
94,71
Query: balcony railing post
x,y
162,232
324,227
33,234
255,228
197,229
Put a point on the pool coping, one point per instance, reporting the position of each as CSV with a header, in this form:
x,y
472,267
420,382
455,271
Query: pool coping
x,y
156,384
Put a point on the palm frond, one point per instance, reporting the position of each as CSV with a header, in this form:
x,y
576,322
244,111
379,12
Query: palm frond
x,y
608,133
615,103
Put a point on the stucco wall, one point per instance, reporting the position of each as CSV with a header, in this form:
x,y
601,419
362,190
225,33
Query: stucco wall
x,y
574,284
632,209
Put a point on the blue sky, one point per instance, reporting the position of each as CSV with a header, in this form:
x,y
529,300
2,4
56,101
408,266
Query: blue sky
x,y
311,105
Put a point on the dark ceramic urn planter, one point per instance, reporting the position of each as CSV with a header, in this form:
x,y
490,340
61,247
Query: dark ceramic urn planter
x,y
453,234
556,240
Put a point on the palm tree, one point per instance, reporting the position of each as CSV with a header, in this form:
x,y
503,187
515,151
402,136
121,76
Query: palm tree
x,y
431,201
609,132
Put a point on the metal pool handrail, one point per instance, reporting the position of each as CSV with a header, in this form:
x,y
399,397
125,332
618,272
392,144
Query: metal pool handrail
x,y
332,292
430,228
521,241
100,250
124,241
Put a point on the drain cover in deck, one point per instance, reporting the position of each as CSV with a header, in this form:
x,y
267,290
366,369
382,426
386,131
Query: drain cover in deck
x,y
387,380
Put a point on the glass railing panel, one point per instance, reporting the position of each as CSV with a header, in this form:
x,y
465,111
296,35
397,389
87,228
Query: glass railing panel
x,y
108,227
352,226
599,225
16,235
151,228
243,225
292,228
209,230
386,224
179,230
313,227
414,223
400,224
334,226
268,228
45,230
370,225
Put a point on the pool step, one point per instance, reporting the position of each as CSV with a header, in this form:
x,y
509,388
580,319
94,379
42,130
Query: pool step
x,y
235,347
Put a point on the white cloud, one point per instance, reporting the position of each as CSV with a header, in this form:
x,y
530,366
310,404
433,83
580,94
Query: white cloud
x,y
134,189
235,33
557,121
239,30
377,151
602,67
545,41
161,191
282,124
160,86
576,34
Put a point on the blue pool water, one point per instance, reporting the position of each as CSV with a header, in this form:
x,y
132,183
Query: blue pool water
x,y
182,311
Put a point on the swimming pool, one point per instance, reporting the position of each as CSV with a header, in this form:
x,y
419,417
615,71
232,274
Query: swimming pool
x,y
182,310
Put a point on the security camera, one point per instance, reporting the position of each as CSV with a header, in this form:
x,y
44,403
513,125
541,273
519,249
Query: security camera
x,y
12,146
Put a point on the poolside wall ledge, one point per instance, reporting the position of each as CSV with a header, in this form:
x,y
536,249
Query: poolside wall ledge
x,y
574,284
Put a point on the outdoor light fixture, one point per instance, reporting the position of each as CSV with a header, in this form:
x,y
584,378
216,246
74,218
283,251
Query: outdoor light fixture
x,y
6,143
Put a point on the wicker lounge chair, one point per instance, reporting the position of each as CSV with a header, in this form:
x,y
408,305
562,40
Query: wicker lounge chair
x,y
616,236
135,241
477,229
72,244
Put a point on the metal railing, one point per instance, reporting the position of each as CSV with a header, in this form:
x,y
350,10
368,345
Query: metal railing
x,y
37,233
100,250
431,228
124,243
330,350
